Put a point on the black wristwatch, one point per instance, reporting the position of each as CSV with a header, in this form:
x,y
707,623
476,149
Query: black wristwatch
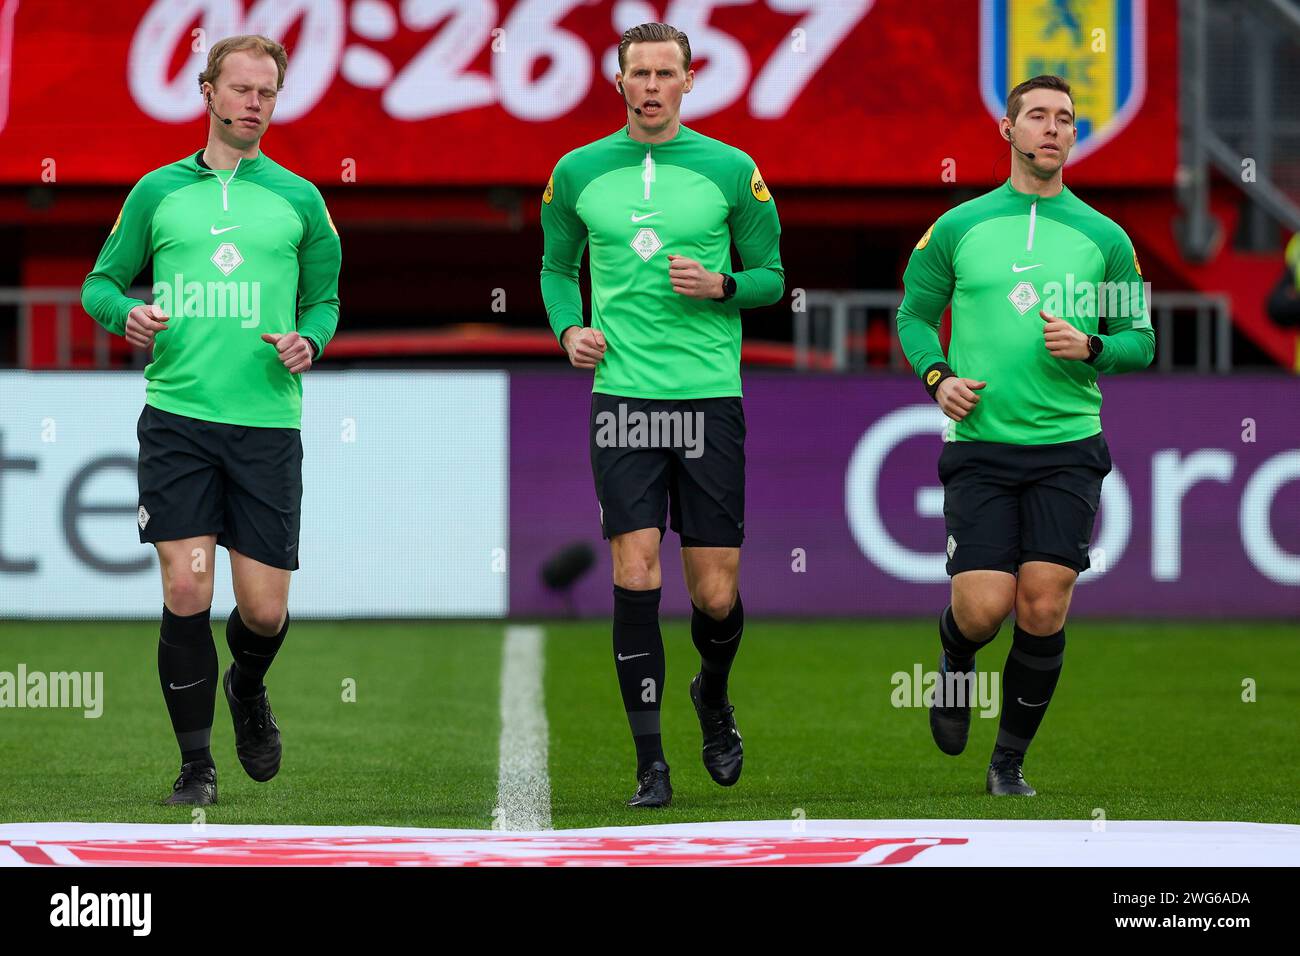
x,y
1095,344
728,287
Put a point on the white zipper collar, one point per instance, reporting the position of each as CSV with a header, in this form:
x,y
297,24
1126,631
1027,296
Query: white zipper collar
x,y
225,183
648,173
1033,209
648,165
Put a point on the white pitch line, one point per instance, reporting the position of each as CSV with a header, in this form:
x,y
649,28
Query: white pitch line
x,y
523,785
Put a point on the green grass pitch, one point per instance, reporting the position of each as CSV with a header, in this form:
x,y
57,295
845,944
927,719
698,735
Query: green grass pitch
x,y
1148,722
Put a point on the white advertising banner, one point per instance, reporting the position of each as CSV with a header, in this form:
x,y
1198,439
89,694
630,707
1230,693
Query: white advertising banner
x,y
404,509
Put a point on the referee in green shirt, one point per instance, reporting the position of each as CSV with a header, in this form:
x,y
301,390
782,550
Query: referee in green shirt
x,y
1025,267
659,207
245,266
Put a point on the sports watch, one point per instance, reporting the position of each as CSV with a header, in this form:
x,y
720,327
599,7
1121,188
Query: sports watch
x,y
728,287
1095,344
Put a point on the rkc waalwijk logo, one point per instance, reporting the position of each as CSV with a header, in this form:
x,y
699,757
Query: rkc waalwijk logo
x,y
1098,46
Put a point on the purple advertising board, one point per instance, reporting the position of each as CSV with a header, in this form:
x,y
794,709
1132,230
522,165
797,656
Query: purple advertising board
x,y
1200,516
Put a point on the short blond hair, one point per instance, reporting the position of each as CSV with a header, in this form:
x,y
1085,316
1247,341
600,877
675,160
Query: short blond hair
x,y
246,41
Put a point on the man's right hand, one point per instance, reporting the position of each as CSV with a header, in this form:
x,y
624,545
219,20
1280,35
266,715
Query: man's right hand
x,y
956,396
585,346
143,323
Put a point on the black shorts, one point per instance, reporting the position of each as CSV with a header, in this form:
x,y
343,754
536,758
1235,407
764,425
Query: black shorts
x,y
683,457
241,483
1006,504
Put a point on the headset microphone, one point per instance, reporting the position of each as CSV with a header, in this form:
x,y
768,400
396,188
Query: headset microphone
x,y
215,113
1028,156
634,109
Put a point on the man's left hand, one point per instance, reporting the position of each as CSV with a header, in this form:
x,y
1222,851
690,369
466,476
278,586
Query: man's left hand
x,y
1063,340
692,279
295,351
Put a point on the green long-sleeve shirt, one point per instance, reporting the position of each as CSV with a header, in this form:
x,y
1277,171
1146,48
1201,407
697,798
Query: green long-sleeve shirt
x,y
236,254
635,204
1000,259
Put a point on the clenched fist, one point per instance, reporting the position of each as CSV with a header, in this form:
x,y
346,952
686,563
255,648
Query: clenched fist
x,y
1062,339
689,278
295,351
143,323
585,346
956,396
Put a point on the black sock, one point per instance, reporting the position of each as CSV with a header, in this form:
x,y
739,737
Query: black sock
x,y
253,654
639,660
959,649
187,670
717,642
1030,676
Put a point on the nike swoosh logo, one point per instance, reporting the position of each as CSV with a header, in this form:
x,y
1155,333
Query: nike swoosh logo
x,y
1028,704
183,686
632,656
217,232
636,218
1025,268
714,640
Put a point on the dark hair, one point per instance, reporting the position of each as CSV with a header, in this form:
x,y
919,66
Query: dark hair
x,y
1047,81
653,33
248,41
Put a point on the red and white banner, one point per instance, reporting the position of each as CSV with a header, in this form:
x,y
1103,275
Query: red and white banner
x,y
796,842
389,92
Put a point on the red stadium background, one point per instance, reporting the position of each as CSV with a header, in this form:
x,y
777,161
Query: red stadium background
x,y
431,127
839,93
